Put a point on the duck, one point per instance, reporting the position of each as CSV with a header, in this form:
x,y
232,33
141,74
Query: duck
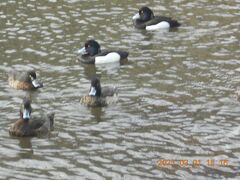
x,y
25,80
145,19
30,126
91,53
98,95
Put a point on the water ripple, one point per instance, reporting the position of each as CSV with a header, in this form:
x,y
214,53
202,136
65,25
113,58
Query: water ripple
x,y
176,98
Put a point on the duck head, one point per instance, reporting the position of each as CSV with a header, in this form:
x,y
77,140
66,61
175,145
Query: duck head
x,y
90,48
35,82
144,14
95,89
26,109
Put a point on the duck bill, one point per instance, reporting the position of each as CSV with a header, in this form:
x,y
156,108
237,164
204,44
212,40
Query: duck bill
x,y
36,83
136,16
92,91
26,114
82,51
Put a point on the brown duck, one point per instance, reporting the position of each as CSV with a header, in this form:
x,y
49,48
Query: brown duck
x,y
28,126
97,95
24,80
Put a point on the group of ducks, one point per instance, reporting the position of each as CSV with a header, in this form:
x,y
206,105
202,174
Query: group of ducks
x,y
91,53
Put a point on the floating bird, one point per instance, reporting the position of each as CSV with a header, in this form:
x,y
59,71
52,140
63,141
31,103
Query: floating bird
x,y
28,126
91,53
26,80
98,95
145,19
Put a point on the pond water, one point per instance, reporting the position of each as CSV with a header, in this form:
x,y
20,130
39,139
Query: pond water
x,y
176,100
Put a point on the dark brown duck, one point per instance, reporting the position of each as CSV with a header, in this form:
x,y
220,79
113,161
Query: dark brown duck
x,y
28,126
97,95
24,80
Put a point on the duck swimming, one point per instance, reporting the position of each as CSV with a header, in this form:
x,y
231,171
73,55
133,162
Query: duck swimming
x,y
97,95
28,126
26,80
145,19
91,53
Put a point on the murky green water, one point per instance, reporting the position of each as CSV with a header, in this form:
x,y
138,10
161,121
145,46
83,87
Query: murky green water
x,y
176,97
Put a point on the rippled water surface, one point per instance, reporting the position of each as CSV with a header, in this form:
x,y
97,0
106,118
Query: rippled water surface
x,y
176,98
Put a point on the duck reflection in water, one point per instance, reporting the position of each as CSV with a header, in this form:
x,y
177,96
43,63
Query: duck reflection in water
x,y
26,148
238,94
98,113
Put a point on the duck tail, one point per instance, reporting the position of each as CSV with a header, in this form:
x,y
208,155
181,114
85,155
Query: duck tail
x,y
174,23
123,54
